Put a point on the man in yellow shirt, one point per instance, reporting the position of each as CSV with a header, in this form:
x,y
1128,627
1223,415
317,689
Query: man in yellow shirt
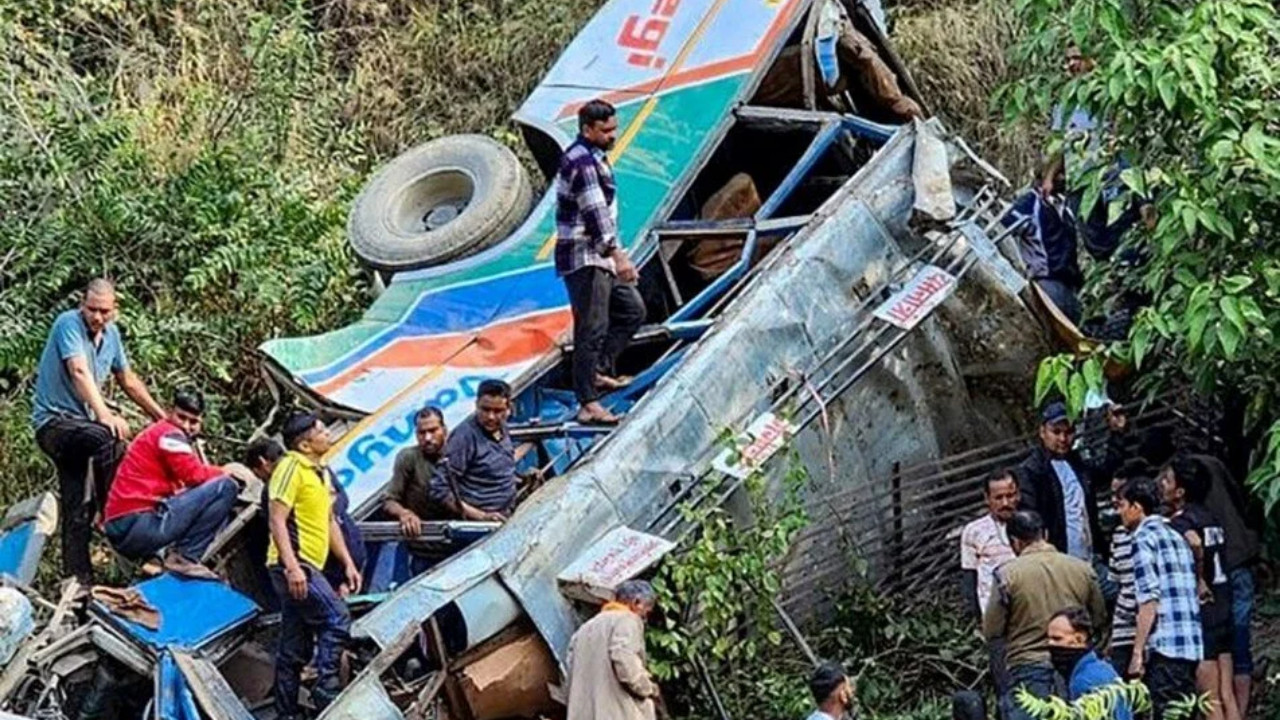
x,y
304,531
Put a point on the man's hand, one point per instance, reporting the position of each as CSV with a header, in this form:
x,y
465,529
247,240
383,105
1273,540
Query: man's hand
x,y
1203,590
118,426
533,477
354,581
626,269
297,579
410,524
1136,668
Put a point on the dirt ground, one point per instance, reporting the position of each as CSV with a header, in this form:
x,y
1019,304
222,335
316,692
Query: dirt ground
x,y
1266,651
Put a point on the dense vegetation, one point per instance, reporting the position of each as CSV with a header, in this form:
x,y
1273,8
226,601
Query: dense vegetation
x,y
203,154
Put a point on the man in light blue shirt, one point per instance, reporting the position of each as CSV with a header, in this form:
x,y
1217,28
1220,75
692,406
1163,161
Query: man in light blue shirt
x,y
73,425
832,691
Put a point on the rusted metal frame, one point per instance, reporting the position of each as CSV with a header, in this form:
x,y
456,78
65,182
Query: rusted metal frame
x,y
210,688
457,701
418,710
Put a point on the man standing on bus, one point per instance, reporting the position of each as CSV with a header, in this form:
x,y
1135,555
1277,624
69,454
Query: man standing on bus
x,y
597,272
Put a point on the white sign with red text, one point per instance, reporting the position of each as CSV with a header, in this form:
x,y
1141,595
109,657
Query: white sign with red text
x,y
921,294
752,449
620,555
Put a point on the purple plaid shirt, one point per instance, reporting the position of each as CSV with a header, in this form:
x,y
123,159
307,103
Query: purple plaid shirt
x,y
586,211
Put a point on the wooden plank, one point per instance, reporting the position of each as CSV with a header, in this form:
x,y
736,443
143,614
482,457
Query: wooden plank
x,y
211,690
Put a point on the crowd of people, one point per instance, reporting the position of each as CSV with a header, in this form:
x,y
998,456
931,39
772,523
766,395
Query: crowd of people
x,y
154,495
1166,599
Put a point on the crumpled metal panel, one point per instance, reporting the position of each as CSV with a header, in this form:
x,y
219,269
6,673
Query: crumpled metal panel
x,y
364,699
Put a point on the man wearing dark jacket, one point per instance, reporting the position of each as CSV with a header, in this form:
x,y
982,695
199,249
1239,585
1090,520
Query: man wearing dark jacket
x,y
1059,485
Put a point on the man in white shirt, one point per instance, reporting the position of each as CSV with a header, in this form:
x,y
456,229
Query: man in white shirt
x,y
984,546
832,691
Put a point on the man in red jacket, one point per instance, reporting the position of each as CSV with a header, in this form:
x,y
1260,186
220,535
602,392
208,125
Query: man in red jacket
x,y
165,495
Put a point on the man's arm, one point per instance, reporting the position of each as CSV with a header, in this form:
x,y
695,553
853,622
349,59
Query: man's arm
x,y
995,620
459,450
1098,612
626,652
1146,621
593,208
182,461
410,523
87,390
278,519
1197,551
138,393
969,574
338,546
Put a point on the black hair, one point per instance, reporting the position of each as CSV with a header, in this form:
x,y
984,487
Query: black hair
x,y
262,449
1156,446
1133,468
1078,618
426,412
296,427
595,111
494,388
1188,475
825,679
1027,526
189,400
1000,476
1142,492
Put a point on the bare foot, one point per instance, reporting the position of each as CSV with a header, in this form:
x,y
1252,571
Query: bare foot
x,y
593,413
179,565
604,382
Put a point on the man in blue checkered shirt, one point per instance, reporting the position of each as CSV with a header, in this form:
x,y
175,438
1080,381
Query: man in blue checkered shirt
x,y
600,277
1168,643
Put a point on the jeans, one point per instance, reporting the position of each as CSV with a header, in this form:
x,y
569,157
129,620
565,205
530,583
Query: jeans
x,y
1036,679
606,313
74,446
1242,593
186,522
320,620
1169,681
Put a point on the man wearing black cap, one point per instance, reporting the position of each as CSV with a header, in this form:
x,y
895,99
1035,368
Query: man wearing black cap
x,y
304,530
1059,485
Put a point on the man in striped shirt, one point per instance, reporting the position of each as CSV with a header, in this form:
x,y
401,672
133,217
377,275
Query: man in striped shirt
x,y
1168,645
597,272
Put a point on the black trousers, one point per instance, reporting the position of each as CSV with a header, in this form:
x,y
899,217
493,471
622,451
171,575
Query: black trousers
x,y
1169,681
606,313
74,446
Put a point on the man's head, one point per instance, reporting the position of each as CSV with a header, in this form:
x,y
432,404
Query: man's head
x,y
1182,482
428,427
1056,430
188,411
493,405
1075,63
305,433
1070,627
598,123
1001,493
1139,498
1025,529
1069,633
831,687
98,306
637,595
262,457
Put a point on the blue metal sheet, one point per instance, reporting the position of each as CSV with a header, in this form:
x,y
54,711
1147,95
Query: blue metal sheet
x,y
173,698
192,612
20,551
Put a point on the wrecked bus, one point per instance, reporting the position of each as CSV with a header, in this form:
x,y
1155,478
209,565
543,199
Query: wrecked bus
x,y
821,267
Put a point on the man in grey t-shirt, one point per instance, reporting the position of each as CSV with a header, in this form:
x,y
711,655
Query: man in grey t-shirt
x,y
408,497
73,425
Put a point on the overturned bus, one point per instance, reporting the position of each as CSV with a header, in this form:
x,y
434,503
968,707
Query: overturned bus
x,y
821,267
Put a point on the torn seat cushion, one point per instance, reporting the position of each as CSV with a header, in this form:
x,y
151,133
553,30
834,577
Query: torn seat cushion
x,y
193,613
